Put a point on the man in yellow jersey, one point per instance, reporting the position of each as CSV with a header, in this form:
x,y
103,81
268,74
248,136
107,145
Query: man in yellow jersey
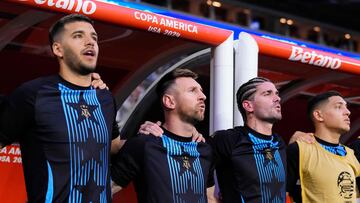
x,y
327,169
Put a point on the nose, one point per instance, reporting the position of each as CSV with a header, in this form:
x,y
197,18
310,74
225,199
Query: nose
x,y
347,111
202,96
90,41
277,98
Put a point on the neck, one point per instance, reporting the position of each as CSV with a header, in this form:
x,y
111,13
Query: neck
x,y
178,127
74,78
260,126
327,135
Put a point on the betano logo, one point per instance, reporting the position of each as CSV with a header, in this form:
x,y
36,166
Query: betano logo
x,y
87,7
312,58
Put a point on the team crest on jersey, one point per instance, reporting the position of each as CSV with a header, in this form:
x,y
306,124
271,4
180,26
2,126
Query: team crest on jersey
x,y
268,154
186,164
185,161
186,173
85,111
346,185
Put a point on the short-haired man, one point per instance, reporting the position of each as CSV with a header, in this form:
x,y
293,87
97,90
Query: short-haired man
x,y
170,168
251,159
327,169
64,126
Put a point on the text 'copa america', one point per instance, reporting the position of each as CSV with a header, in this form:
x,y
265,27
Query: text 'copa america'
x,y
313,58
170,23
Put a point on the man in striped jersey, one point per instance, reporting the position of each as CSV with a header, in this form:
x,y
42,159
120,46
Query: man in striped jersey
x,y
251,159
64,126
170,168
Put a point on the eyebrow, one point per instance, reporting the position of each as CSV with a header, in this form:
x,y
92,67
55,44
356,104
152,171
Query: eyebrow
x,y
270,91
82,32
196,87
341,102
94,33
77,31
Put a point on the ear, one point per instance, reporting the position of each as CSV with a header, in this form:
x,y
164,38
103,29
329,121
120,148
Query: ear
x,y
318,116
248,106
57,49
168,101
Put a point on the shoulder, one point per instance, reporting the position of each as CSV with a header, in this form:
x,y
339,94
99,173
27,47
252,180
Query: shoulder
x,y
105,97
229,133
227,139
36,84
205,145
353,158
141,140
105,92
302,144
280,140
293,148
349,150
308,149
27,91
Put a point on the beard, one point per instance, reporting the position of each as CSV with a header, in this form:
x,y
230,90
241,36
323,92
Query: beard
x,y
193,118
74,63
272,118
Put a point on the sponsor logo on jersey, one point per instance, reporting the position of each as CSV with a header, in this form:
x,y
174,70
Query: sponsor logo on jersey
x,y
346,185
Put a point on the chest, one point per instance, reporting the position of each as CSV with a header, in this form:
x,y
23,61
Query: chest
x,y
177,161
248,155
71,115
313,167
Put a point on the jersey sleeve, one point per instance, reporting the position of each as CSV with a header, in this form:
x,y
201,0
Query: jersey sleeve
x,y
293,171
222,144
211,178
127,165
17,114
115,130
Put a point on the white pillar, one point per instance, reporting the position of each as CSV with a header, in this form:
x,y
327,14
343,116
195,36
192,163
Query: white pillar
x,y
246,67
221,86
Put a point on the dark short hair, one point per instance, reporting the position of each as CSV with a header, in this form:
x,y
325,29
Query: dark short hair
x,y
169,79
59,25
318,100
246,91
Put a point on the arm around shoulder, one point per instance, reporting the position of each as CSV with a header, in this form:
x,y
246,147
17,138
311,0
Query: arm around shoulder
x,y
117,144
302,136
115,188
211,197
